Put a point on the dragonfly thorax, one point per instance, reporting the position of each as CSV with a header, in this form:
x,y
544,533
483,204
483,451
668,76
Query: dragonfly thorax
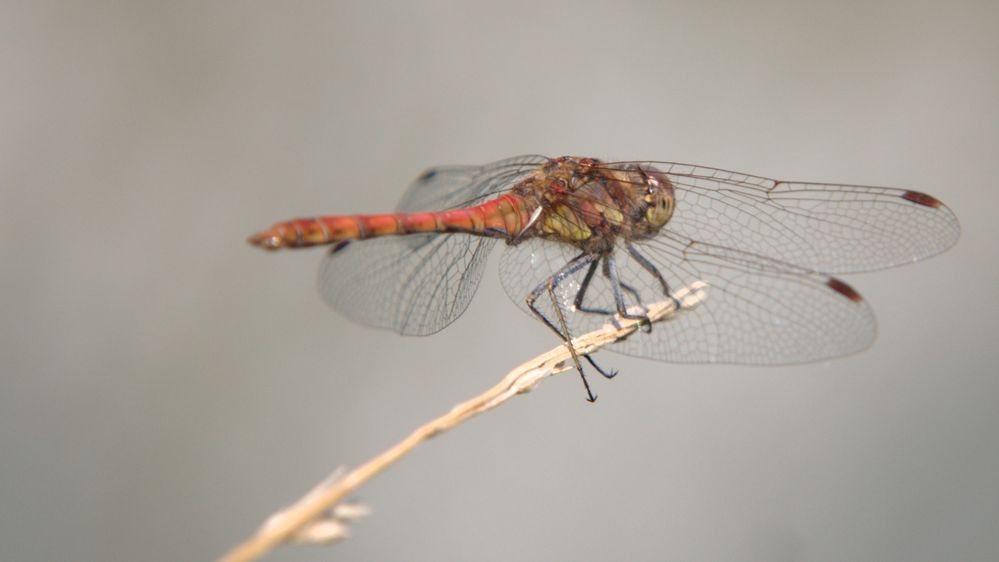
x,y
591,204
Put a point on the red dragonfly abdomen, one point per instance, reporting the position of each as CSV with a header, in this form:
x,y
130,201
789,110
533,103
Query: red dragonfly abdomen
x,y
503,217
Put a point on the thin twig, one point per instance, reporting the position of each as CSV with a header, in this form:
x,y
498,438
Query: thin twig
x,y
293,521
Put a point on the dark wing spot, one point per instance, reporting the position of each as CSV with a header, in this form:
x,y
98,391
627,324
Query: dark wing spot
x,y
921,199
844,289
427,175
339,246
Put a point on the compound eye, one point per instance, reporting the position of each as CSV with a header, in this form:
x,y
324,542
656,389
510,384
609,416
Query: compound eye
x,y
651,183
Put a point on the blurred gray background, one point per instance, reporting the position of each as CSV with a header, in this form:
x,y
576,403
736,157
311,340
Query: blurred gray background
x,y
165,386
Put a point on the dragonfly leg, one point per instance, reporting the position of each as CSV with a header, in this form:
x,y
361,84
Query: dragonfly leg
x,y
622,309
646,326
549,286
578,302
648,266
632,291
568,342
603,372
585,285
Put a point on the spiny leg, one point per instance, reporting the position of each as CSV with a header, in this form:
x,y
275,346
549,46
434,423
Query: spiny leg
x,y
608,260
632,291
568,342
651,268
625,286
574,265
578,304
585,285
603,372
622,309
549,285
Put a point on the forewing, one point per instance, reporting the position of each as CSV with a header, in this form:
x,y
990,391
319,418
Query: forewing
x,y
820,227
756,310
414,285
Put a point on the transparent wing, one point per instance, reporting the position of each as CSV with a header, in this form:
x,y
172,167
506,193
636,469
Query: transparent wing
x,y
757,310
414,285
448,187
819,227
419,284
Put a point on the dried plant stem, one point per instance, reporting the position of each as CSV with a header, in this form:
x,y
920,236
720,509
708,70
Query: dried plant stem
x,y
287,523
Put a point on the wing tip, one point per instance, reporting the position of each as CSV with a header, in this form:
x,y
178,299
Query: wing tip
x,y
921,198
844,289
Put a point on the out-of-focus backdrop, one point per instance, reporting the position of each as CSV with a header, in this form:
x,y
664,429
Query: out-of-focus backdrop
x,y
165,386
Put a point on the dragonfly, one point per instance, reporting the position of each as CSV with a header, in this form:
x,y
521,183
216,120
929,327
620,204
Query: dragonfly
x,y
587,240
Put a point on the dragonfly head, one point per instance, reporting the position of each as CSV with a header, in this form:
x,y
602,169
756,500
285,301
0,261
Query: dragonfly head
x,y
650,192
658,196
